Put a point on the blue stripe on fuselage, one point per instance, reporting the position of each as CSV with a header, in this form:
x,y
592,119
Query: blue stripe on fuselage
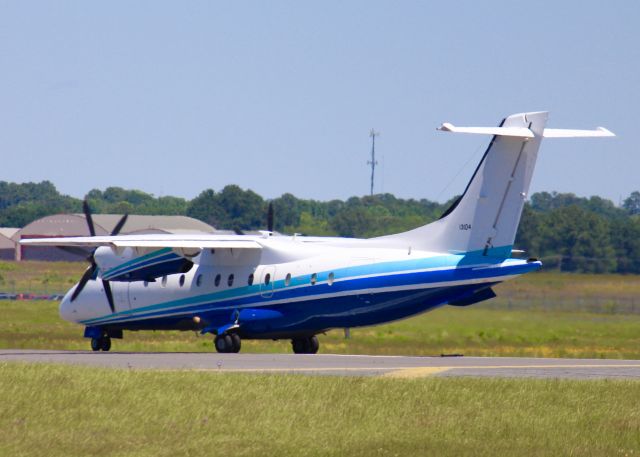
x,y
341,274
250,296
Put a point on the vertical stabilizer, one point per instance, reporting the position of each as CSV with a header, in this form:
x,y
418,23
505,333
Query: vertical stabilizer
x,y
485,218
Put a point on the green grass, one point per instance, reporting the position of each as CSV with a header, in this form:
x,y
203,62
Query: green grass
x,y
541,314
570,292
50,410
476,330
39,277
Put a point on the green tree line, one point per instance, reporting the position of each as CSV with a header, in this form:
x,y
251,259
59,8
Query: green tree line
x,y
567,232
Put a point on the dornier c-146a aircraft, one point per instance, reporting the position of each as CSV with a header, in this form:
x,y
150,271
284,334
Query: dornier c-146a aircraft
x,y
296,287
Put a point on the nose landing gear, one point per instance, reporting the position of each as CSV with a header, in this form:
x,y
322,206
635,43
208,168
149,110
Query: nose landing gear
x,y
101,344
101,337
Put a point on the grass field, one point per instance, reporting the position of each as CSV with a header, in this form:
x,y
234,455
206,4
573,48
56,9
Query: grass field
x,y
39,277
471,331
541,314
50,410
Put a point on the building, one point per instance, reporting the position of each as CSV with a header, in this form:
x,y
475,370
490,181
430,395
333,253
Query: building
x,y
7,244
63,225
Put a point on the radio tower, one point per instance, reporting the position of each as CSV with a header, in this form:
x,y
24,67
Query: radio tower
x,y
373,134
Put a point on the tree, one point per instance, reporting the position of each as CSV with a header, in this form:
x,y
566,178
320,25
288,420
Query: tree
x,y
579,238
286,212
243,209
632,203
206,208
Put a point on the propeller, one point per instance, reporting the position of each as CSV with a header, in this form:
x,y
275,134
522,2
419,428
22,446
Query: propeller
x,y
270,217
92,270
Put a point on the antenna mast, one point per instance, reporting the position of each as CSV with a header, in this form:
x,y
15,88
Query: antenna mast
x,y
373,134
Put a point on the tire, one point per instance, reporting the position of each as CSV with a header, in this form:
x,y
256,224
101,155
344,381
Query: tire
x,y
236,343
223,343
105,344
309,345
299,345
312,345
96,344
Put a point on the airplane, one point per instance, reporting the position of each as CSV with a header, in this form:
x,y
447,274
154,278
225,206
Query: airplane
x,y
271,286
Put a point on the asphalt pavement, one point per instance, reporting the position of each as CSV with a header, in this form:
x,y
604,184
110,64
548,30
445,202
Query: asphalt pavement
x,y
340,365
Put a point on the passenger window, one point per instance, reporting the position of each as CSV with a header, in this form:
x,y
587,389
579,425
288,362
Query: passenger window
x,y
199,280
181,280
287,280
217,280
250,280
314,278
267,279
331,279
164,281
230,280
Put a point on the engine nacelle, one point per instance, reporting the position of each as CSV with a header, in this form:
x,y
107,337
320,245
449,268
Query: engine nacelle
x,y
136,265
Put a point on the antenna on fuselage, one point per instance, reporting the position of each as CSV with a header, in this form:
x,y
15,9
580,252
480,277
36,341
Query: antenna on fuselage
x,y
373,134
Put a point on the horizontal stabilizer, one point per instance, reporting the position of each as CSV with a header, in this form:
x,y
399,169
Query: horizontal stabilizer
x,y
523,132
569,133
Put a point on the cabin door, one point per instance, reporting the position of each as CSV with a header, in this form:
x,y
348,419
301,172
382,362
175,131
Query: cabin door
x,y
121,295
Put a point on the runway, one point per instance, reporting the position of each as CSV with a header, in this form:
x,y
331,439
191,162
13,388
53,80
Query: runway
x,y
341,365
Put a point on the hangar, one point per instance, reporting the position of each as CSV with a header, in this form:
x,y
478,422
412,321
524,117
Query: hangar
x,y
61,225
7,244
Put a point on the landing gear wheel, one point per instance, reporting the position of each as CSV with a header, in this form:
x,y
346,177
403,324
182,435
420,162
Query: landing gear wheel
x,y
101,344
105,344
313,345
236,343
223,343
308,345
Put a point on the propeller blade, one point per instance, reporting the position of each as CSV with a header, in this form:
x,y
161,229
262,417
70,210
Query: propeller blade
x,y
109,294
87,214
88,273
270,217
119,225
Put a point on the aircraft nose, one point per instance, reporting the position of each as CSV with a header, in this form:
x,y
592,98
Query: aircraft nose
x,y
67,309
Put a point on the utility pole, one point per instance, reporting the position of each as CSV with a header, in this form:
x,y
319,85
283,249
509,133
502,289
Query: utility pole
x,y
373,134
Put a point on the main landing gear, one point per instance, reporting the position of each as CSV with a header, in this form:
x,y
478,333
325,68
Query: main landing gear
x,y
227,343
308,345
101,344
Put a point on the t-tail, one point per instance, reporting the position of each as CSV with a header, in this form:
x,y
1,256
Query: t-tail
x,y
484,220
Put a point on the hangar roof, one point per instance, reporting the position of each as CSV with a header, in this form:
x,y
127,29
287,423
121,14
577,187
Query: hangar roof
x,y
8,232
75,225
5,237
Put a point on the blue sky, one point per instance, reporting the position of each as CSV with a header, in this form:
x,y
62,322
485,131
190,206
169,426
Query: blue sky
x,y
176,97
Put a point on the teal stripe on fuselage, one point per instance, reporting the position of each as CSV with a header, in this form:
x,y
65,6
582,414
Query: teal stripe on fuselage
x,y
440,261
133,262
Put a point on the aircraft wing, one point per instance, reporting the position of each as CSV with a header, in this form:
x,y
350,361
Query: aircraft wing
x,y
151,241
